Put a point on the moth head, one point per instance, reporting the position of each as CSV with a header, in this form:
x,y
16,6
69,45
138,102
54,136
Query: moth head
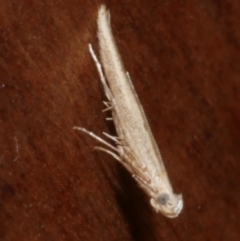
x,y
170,205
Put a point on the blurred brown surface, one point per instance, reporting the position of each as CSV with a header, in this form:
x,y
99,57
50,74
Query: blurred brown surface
x,y
184,59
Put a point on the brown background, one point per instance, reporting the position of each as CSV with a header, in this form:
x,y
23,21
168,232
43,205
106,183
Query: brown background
x,y
184,60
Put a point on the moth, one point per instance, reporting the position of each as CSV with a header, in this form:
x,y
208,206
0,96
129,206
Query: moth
x,y
135,147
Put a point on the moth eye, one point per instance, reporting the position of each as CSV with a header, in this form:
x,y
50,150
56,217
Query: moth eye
x,y
163,198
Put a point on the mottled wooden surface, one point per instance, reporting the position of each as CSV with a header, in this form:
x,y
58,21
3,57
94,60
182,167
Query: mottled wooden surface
x,y
184,59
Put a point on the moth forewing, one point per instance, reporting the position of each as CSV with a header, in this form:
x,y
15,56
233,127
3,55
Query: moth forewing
x,y
135,146
127,108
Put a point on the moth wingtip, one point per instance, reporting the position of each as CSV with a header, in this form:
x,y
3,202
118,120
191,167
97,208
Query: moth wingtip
x,y
102,8
103,11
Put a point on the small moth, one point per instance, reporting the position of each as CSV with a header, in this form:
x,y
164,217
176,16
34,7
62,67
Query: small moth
x,y
135,147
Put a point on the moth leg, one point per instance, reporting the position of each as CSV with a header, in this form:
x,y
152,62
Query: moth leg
x,y
107,103
114,138
119,142
141,175
107,91
142,167
146,186
109,119
135,165
140,172
142,181
109,106
114,155
95,137
138,176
